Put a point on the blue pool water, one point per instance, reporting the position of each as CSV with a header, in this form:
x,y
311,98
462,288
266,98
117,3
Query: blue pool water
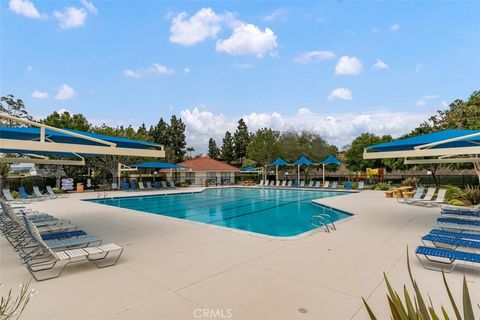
x,y
274,212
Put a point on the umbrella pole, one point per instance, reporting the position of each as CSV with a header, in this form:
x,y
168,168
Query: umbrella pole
x,y
276,173
298,174
323,173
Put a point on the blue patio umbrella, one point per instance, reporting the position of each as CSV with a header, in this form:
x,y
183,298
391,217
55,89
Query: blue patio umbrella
x,y
157,165
302,161
330,160
248,169
278,162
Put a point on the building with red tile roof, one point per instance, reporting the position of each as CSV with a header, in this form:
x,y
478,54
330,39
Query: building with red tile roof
x,y
204,169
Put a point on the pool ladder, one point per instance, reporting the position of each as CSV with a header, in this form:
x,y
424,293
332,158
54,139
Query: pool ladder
x,y
322,221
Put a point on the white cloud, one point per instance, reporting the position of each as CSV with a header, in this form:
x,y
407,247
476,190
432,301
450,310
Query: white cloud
x,y
25,8
248,39
154,69
337,128
276,15
374,30
340,93
65,92
395,27
39,94
421,103
380,65
71,17
62,111
186,70
89,6
202,25
29,68
348,65
313,56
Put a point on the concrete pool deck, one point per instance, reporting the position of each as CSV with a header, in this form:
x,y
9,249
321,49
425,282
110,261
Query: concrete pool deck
x,y
173,268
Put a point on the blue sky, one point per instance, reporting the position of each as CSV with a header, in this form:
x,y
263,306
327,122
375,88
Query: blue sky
x,y
339,68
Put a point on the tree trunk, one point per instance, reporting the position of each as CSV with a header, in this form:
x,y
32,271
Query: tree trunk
x,y
476,167
2,182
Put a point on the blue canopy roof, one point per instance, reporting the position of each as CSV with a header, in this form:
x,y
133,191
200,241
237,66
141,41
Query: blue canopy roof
x,y
248,169
331,160
156,165
279,162
303,161
33,134
411,143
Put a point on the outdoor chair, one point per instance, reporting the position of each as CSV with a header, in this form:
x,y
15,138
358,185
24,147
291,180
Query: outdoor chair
x,y
156,185
133,185
334,185
164,185
317,184
277,183
53,194
439,199
289,183
427,197
456,235
260,183
141,186
326,184
461,213
417,196
149,185
311,184
284,183
172,185
459,224
24,195
302,184
125,186
8,197
450,243
39,194
361,185
443,256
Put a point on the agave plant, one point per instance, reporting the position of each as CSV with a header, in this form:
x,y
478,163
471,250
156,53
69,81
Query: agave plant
x,y
418,308
12,307
411,182
472,194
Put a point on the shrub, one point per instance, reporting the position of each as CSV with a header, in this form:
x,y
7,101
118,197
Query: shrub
x,y
57,190
453,192
472,194
411,182
456,202
354,185
382,186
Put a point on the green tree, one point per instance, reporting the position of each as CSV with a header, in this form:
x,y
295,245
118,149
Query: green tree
x,y
65,120
354,152
13,107
241,139
213,150
264,146
228,148
177,138
160,133
294,144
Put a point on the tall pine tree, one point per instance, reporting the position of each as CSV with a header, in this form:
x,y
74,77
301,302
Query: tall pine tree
x,y
160,133
228,149
241,139
213,150
177,138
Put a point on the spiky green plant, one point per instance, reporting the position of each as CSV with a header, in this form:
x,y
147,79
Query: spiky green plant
x,y
418,308
12,307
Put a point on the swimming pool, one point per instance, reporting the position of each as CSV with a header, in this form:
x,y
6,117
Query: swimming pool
x,y
273,212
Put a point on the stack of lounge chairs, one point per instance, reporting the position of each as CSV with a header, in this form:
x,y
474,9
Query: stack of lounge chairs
x,y
46,245
456,239
302,184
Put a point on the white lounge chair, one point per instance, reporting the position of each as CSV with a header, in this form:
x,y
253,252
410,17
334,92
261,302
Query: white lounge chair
x,y
58,195
317,184
260,183
334,185
9,197
428,197
417,196
284,183
141,186
326,185
277,184
439,199
39,194
311,184
289,183
361,185
302,184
